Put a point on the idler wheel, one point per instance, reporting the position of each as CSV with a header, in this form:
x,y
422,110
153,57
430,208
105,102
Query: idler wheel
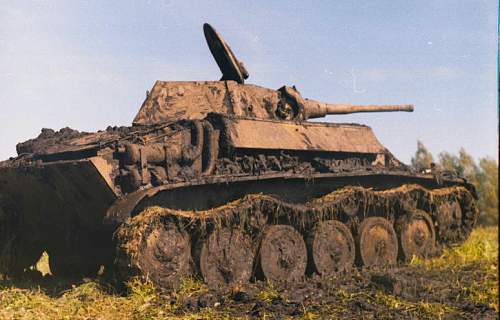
x,y
416,234
449,219
377,242
226,258
283,254
332,247
165,255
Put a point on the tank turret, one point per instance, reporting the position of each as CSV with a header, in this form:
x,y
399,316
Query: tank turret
x,y
173,100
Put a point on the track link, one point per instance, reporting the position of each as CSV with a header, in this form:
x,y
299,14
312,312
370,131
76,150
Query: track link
x,y
262,237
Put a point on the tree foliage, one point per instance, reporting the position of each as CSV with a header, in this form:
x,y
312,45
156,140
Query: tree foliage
x,y
488,190
423,158
484,176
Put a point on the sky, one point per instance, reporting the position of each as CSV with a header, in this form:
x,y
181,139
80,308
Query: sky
x,y
88,64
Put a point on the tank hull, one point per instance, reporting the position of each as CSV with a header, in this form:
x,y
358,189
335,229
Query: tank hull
x,y
69,210
54,207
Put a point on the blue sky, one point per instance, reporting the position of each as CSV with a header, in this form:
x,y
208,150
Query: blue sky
x,y
88,64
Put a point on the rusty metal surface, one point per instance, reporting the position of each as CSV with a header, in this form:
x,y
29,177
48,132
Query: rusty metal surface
x,y
182,100
294,106
57,208
67,140
316,109
231,68
259,134
175,100
56,189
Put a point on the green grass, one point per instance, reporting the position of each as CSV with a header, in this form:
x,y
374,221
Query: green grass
x,y
268,293
480,254
414,310
475,259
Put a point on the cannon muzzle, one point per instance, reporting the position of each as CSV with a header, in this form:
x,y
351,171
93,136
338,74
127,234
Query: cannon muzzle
x,y
316,109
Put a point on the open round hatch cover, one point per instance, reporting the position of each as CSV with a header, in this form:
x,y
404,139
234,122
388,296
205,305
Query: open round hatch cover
x,y
231,68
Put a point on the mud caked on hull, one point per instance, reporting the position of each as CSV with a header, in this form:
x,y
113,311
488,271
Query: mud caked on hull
x,y
227,181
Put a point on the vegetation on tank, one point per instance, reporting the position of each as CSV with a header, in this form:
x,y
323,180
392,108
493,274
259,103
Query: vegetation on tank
x,y
138,238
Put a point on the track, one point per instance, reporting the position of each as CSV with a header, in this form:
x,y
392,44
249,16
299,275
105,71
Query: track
x,y
263,237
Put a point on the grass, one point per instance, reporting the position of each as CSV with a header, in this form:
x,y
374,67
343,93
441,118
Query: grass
x,y
411,309
420,310
92,300
268,293
480,254
473,266
190,286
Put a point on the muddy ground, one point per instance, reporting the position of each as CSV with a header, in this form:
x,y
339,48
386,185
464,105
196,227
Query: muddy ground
x,y
399,293
377,294
462,283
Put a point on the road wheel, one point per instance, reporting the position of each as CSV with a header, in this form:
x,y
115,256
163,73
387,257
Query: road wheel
x,y
377,242
332,247
161,252
283,254
416,235
227,258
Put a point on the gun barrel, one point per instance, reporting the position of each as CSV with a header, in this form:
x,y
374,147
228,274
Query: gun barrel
x,y
316,109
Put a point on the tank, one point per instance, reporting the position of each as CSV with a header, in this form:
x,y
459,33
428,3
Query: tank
x,y
227,181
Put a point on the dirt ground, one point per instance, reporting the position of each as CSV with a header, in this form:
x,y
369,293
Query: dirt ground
x,y
409,293
461,284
